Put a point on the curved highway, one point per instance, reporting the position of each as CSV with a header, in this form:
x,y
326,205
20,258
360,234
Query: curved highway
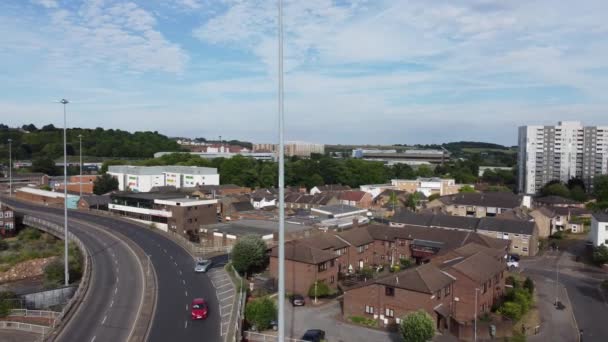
x,y
112,302
177,282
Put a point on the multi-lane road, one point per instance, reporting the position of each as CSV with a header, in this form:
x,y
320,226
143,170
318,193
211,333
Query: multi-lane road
x,y
177,282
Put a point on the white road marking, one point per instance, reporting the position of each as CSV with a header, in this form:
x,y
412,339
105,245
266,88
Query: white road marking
x,y
112,303
225,292
223,299
171,257
104,319
228,314
186,307
94,337
186,293
180,272
116,290
222,308
219,287
185,324
165,250
183,281
175,263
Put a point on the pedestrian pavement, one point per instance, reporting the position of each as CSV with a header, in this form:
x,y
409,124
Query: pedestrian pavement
x,y
226,295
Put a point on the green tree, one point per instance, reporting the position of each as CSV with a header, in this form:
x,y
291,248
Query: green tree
x,y
413,200
249,254
424,171
466,188
529,285
577,193
600,255
418,326
104,184
600,188
433,197
319,289
45,165
261,312
511,310
555,189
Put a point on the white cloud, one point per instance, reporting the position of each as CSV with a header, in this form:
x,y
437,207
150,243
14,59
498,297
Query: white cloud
x,y
47,3
193,4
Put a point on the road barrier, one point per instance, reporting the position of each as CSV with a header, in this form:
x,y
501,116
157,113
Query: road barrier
x,y
239,314
258,337
34,313
54,229
34,328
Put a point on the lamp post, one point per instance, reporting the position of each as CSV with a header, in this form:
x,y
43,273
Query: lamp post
x,y
281,327
80,177
475,323
10,167
64,102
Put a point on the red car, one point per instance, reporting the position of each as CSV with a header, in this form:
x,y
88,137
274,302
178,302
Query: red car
x,y
199,309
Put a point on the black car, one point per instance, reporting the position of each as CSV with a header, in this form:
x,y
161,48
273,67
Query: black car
x,y
314,335
297,300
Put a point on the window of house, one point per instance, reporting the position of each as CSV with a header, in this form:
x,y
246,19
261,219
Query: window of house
x,y
402,243
389,291
485,287
382,257
332,279
525,249
516,247
389,312
322,267
360,249
189,220
446,291
331,263
367,247
369,309
438,294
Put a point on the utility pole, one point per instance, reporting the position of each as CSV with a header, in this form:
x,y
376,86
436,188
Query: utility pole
x,y
65,193
80,178
281,327
10,167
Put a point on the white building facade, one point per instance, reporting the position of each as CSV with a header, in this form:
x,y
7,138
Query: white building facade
x,y
144,178
561,152
599,229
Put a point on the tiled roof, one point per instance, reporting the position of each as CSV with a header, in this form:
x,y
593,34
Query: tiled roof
x,y
564,211
448,221
601,216
325,241
479,267
353,195
409,217
300,252
357,236
473,248
555,200
546,212
96,200
484,199
426,279
507,226
243,206
333,187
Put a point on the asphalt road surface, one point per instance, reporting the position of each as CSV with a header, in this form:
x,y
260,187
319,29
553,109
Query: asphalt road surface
x,y
177,282
110,307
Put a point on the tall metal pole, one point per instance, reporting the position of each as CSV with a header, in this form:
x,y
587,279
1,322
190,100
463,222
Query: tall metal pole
x,y
475,323
10,167
80,177
65,193
281,326
557,281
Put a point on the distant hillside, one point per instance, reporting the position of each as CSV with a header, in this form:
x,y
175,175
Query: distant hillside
x,y
30,142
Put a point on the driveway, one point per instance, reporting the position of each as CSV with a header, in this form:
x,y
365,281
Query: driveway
x,y
582,285
325,317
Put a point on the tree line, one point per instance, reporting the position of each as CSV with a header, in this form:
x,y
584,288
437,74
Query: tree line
x,y
319,170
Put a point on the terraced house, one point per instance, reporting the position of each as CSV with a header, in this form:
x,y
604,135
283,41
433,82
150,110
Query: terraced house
x,y
488,204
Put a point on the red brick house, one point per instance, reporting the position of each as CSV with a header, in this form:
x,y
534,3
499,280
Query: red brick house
x,y
390,298
356,198
304,265
482,270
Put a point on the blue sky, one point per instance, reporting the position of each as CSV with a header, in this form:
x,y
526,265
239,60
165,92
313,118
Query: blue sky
x,y
360,71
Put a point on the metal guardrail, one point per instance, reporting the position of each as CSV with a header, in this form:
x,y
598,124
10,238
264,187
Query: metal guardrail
x,y
258,337
39,329
34,313
58,231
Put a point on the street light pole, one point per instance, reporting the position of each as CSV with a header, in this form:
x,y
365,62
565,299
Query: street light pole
x,y
10,167
281,108
80,177
65,193
475,323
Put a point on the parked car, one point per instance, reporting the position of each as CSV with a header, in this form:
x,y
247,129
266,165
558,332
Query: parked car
x,y
199,309
202,265
513,261
297,300
314,335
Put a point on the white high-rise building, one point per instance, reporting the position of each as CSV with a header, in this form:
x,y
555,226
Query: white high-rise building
x,y
568,150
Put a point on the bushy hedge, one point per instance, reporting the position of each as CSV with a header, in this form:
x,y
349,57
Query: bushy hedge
x,y
320,290
261,312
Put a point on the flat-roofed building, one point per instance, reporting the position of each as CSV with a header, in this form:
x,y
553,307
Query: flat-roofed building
x,y
167,211
144,178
